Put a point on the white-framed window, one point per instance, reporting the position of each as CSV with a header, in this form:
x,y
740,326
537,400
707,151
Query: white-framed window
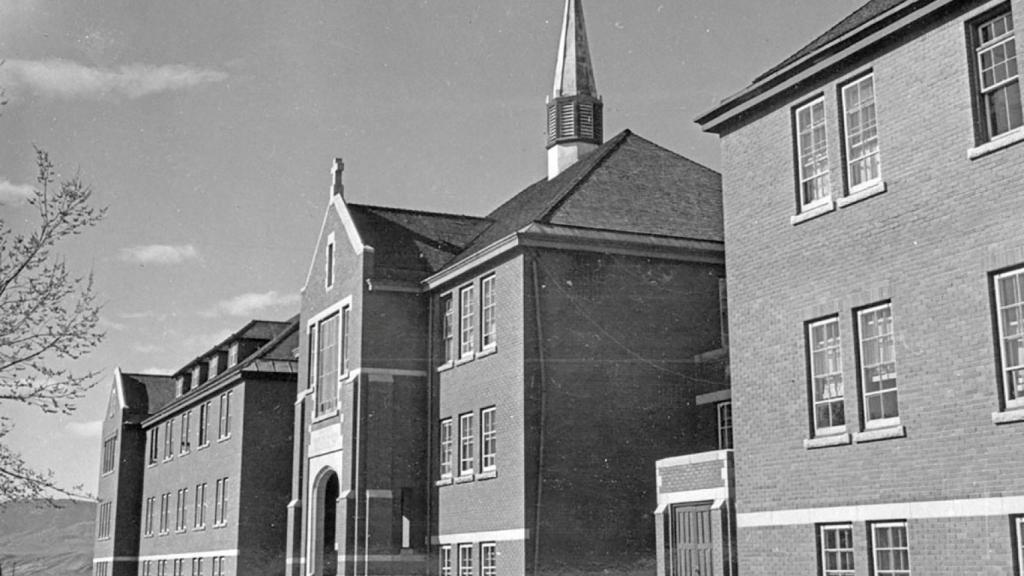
x,y
165,512
168,439
232,357
218,566
488,559
220,503
812,155
185,443
445,453
179,567
826,359
466,444
109,454
467,320
329,262
204,424
488,323
466,560
327,359
199,509
1010,318
878,366
214,366
724,425
154,444
995,48
890,549
181,511
836,542
103,521
445,560
346,351
224,423
488,438
1019,529
147,568
101,569
197,567
147,523
447,329
860,127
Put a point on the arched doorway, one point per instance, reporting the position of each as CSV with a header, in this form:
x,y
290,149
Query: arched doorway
x,y
325,524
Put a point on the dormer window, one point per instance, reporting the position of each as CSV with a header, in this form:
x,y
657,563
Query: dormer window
x,y
199,374
233,354
214,363
184,384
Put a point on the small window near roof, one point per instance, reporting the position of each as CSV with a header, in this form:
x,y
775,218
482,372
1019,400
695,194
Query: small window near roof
x,y
812,155
860,130
997,80
214,363
233,354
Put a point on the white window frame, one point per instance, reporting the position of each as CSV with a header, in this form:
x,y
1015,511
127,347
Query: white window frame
x,y
314,369
876,550
154,446
724,413
467,447
488,559
488,439
109,455
448,329
224,420
169,440
488,313
803,178
199,512
983,91
848,133
330,254
834,371
185,439
1019,526
232,354
345,342
467,321
1011,399
826,552
203,431
103,524
446,441
882,422
147,518
466,567
445,560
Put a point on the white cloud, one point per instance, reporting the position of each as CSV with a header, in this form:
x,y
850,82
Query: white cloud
x,y
159,254
58,78
13,194
146,348
90,429
252,302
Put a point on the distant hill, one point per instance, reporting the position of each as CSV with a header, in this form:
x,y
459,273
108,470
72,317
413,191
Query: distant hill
x,y
47,540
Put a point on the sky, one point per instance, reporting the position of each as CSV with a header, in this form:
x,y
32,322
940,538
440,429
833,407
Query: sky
x,y
209,128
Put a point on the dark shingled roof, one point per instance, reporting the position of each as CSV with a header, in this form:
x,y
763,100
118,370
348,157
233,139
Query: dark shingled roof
x,y
147,393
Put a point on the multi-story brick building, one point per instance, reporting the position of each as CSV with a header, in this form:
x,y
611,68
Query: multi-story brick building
x,y
876,270
195,466
484,396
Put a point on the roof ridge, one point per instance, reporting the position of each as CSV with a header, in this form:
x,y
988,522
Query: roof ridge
x,y
413,211
611,146
676,154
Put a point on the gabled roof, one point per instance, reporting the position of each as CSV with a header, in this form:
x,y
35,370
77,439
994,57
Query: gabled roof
x,y
147,393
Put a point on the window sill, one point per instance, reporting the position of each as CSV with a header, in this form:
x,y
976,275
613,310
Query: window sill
x,y
1009,417
487,351
880,434
228,437
201,446
998,143
487,474
443,482
862,194
812,213
199,529
464,479
446,366
464,359
324,416
827,441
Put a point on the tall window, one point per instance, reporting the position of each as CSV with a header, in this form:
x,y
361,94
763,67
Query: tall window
x,y
1019,523
998,85
466,444
890,549
329,264
446,561
103,521
197,567
1010,305
724,425
204,424
232,358
447,329
878,366
860,125
147,526
179,567
446,448
812,155
837,551
161,568
218,566
181,511
466,560
224,424
168,439
165,512
488,559
345,348
186,430
109,454
220,503
327,365
825,350
147,568
199,510
488,326
467,320
723,310
488,439
154,445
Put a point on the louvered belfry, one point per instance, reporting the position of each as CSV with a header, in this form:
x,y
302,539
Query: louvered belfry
x,y
575,111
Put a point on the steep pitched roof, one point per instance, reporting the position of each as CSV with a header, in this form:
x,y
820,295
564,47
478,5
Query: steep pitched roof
x,y
147,393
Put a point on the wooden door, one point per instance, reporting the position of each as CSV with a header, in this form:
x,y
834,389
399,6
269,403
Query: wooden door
x,y
691,541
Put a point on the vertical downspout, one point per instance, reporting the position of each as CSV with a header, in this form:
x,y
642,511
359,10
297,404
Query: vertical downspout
x,y
356,441
543,406
430,426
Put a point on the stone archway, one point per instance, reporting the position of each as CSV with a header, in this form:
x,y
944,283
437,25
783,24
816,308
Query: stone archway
x,y
324,539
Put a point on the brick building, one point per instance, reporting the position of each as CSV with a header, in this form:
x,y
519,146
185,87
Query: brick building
x,y
483,396
195,466
876,271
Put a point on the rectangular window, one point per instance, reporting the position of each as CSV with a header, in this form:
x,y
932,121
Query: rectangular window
x,y
345,328
837,551
878,366
446,560
197,567
1010,312
179,567
232,359
199,509
466,560
214,367
327,366
103,521
999,106
1019,524
165,513
488,439
447,329
467,321
109,454
161,568
224,425
446,448
147,568
329,264
890,549
812,155
488,326
311,357
154,445
182,510
204,424
488,559
724,425
863,167
168,439
218,566
186,430
466,444
147,526
220,503
723,310
825,349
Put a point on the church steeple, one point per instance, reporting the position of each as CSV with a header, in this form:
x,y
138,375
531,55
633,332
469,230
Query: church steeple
x,y
575,111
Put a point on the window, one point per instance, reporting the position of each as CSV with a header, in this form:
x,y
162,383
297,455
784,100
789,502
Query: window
x,y
102,569
220,503
168,439
446,561
890,550
466,560
488,329
466,444
998,99
488,439
812,155
825,349
161,568
723,310
232,360
861,133
447,329
467,321
224,425
837,551
179,567
109,454
147,527
103,521
154,445
204,424
446,448
724,425
218,566
165,512
329,264
147,568
214,363
1010,311
327,365
1019,524
186,429
199,510
197,567
181,511
488,559
878,366
345,351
